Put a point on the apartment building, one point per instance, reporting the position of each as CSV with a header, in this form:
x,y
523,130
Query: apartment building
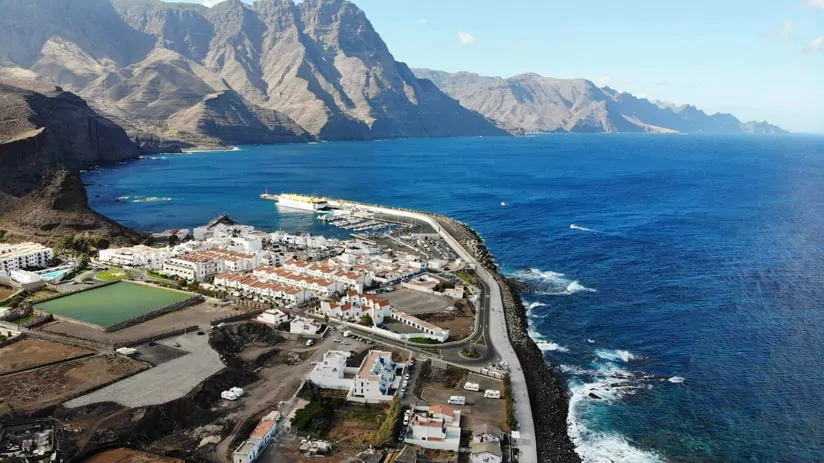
x,y
24,255
375,378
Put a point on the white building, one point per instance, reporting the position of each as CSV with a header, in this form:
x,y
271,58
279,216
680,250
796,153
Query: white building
x,y
486,452
353,306
375,378
332,372
301,325
25,277
428,329
24,255
193,266
322,287
273,317
439,428
249,450
135,256
254,287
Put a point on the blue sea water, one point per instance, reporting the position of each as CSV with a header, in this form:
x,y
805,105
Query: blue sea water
x,y
677,281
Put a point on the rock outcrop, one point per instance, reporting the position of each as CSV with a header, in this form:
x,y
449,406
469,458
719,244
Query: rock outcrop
x,y
532,103
274,71
47,136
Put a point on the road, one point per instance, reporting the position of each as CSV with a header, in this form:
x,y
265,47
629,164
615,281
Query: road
x,y
492,328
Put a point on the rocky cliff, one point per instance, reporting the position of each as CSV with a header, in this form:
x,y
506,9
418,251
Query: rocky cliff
x,y
269,72
46,136
532,103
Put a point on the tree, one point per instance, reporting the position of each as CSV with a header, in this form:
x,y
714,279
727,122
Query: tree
x,y
366,320
83,261
193,286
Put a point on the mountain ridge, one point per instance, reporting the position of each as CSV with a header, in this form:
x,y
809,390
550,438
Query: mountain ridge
x,y
311,70
530,102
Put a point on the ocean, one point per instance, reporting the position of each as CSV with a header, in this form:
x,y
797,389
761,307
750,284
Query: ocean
x,y
676,281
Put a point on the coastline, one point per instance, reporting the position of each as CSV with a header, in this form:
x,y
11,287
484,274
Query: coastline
x,y
546,394
549,399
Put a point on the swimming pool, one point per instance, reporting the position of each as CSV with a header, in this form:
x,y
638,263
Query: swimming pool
x,y
53,275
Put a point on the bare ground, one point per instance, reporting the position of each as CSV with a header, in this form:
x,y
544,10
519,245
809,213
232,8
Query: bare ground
x,y
44,387
130,456
30,352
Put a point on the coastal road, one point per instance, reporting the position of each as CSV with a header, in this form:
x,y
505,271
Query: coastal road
x,y
492,328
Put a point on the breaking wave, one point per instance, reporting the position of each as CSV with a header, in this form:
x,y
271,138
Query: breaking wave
x,y
677,380
150,199
618,354
551,283
608,384
576,227
545,344
535,305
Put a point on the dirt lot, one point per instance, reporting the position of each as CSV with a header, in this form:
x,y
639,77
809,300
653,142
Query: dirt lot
x,y
5,292
129,456
477,410
201,315
357,425
460,326
48,386
415,302
30,352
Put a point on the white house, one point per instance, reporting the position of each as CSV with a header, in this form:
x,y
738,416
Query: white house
x,y
254,287
301,325
332,372
353,306
249,450
486,452
24,255
375,378
439,428
273,317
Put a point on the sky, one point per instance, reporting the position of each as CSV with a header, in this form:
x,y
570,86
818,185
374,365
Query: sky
x,y
757,59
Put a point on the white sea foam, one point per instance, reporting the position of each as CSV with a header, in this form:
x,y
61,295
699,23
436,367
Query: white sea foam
x,y
677,379
151,199
552,283
576,227
535,305
598,446
574,370
591,341
549,346
618,354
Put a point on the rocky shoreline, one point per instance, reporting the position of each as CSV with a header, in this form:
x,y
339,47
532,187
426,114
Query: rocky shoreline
x,y
548,396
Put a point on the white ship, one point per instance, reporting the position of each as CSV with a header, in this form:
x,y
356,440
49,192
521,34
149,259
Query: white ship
x,y
300,202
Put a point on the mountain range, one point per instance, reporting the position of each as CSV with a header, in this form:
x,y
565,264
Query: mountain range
x,y
176,75
533,103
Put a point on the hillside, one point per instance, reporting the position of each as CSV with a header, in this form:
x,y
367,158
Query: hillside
x,y
46,136
532,103
274,71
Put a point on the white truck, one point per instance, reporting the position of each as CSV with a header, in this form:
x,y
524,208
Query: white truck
x,y
347,333
228,395
492,394
457,400
472,386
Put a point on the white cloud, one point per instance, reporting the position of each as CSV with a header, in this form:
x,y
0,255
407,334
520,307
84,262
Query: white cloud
x,y
466,38
816,3
817,45
423,21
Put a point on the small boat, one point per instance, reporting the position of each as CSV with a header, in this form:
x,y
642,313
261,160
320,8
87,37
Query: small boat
x,y
503,204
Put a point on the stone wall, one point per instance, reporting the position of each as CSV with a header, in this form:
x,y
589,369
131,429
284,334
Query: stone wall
x,y
154,314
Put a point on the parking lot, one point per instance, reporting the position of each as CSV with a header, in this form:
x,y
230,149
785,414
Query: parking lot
x,y
478,410
415,302
167,381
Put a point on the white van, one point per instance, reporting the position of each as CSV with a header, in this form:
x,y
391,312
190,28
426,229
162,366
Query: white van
x,y
492,394
457,400
472,387
310,343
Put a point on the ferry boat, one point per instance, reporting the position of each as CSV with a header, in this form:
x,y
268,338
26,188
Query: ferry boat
x,y
296,201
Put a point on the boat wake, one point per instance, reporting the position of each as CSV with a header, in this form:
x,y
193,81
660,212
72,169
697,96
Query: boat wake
x,y
552,283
